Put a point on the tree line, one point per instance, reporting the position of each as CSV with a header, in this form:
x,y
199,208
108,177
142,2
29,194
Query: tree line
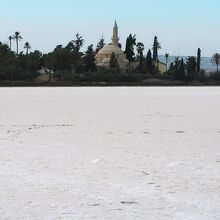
x,y
64,62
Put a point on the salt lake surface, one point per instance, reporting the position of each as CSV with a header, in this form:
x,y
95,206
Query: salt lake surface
x,y
110,153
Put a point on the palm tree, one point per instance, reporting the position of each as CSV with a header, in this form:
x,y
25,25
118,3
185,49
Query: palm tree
x,y
140,47
166,56
10,39
17,37
216,59
27,46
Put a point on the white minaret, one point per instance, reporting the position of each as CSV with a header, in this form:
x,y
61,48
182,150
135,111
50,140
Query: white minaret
x,y
115,38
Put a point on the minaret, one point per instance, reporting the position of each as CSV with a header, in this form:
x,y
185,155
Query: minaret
x,y
115,38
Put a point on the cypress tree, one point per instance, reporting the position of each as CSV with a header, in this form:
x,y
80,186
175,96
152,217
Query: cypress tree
x,y
156,47
198,60
90,59
129,50
182,71
149,62
113,61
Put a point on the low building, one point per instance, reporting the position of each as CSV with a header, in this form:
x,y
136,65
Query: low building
x,y
162,67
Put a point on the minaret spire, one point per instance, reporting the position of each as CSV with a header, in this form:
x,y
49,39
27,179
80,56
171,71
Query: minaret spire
x,y
115,38
116,25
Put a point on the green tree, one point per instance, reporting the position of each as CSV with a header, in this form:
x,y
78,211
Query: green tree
x,y
177,69
100,44
5,56
140,49
176,73
177,64
198,60
215,59
182,71
48,64
35,60
63,59
17,37
167,57
76,44
129,50
27,46
10,38
114,62
74,47
11,69
90,59
156,48
191,67
149,62
47,61
33,63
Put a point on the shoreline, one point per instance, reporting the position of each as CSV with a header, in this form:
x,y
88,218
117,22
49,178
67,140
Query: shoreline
x,y
146,83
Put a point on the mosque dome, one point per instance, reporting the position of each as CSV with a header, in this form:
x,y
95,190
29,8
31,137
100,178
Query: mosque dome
x,y
109,49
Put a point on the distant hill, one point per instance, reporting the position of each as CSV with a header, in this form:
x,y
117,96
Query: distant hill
x,y
205,62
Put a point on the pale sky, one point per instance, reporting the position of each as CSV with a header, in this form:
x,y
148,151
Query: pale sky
x,y
181,25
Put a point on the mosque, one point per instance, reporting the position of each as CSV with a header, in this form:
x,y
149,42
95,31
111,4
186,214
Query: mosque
x,y
104,55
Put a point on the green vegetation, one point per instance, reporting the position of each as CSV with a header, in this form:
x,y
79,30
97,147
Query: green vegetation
x,y
167,57
90,59
198,60
27,46
216,60
129,49
114,63
156,48
149,63
68,65
17,37
100,44
140,52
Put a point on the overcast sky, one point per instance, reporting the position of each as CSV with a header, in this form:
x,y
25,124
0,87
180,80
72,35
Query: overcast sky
x,y
181,25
